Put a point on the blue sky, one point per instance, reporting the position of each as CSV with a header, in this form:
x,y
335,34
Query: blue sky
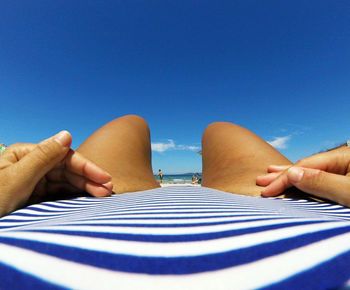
x,y
279,68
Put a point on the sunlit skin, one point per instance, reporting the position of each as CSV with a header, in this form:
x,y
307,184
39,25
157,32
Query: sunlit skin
x,y
236,160
114,159
325,175
117,158
34,172
233,157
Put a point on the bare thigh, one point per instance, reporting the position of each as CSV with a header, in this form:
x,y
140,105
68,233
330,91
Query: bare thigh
x,y
233,157
122,148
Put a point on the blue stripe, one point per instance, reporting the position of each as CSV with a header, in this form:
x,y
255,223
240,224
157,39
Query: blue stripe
x,y
332,274
329,274
178,265
16,280
172,238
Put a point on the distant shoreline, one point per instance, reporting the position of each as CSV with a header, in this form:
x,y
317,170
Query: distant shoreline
x,y
177,179
177,184
177,174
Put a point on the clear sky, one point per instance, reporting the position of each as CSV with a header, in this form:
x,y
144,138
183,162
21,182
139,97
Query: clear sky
x,y
280,68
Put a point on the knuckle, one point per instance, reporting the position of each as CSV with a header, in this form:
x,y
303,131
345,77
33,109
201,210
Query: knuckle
x,y
20,148
15,145
41,156
304,161
315,178
311,160
47,152
20,144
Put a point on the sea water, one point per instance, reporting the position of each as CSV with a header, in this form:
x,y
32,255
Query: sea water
x,y
177,178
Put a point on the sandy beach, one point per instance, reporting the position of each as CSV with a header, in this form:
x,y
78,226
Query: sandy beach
x,y
178,184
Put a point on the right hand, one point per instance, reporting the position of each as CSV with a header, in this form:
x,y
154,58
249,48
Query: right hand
x,y
34,172
326,175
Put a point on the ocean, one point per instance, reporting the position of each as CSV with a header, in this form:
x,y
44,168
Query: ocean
x,y
178,178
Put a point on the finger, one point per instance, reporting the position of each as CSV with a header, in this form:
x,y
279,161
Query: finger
x,y
78,164
278,186
14,153
47,190
89,186
320,183
33,166
60,175
277,168
40,190
56,175
332,161
62,188
56,191
265,180
335,161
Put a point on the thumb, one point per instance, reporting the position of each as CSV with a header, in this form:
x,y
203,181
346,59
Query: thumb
x,y
33,166
320,183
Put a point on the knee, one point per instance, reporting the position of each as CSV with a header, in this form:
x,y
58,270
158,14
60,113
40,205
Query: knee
x,y
219,128
134,120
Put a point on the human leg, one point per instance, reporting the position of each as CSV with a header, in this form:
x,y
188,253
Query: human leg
x,y
233,157
122,148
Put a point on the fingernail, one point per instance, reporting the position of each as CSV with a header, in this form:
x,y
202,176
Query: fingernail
x,y
95,167
295,174
64,138
108,185
263,192
279,166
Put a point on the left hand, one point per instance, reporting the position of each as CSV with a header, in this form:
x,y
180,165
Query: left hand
x,y
35,172
326,175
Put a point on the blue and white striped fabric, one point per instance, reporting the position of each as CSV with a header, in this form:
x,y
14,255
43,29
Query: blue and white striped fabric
x,y
176,238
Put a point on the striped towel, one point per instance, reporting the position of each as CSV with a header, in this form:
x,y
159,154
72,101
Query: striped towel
x,y
176,238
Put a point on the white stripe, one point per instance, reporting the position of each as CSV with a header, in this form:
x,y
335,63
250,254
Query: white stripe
x,y
107,210
119,204
111,219
167,230
96,212
279,267
116,219
253,275
104,212
180,216
111,214
154,249
115,208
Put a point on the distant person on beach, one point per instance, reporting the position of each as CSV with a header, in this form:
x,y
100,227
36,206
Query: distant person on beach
x,y
160,174
194,179
199,178
117,158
